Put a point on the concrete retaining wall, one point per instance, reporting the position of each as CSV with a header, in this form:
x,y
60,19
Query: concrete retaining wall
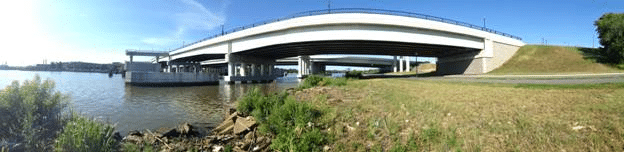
x,y
503,52
142,66
170,79
471,63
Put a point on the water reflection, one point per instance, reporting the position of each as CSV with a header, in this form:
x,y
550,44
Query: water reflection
x,y
156,107
137,108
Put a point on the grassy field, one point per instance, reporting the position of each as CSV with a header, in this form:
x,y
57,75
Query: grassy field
x,y
412,115
539,59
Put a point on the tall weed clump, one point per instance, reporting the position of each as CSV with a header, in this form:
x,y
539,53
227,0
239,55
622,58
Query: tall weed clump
x,y
316,80
30,114
289,121
84,134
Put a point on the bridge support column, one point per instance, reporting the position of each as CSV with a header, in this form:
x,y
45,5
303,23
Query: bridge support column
x,y
407,64
401,64
271,66
394,64
262,68
304,66
248,69
253,69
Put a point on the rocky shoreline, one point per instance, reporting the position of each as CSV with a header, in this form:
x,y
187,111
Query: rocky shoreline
x,y
237,132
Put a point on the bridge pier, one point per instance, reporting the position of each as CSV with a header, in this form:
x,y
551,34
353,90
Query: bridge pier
x,y
245,68
304,66
394,64
401,59
407,63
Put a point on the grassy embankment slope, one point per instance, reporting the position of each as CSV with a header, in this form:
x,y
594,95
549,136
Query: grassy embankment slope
x,y
411,115
540,59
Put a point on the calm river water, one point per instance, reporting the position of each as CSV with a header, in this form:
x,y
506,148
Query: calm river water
x,y
137,108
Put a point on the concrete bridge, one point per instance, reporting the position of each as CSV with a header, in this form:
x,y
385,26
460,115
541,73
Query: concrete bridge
x,y
252,51
319,62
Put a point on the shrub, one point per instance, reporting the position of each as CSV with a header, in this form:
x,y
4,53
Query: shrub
x,y
315,80
84,134
354,74
311,81
285,118
31,115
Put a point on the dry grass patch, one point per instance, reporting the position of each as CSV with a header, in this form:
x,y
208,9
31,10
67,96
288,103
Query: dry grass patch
x,y
410,115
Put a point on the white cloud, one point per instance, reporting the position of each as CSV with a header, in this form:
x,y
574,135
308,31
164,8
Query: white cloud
x,y
193,16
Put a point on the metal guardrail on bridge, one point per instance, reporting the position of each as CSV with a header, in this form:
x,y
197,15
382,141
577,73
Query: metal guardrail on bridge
x,y
357,10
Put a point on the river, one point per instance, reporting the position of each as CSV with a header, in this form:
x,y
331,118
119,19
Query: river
x,y
137,108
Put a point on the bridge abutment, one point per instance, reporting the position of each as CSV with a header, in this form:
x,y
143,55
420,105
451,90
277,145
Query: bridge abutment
x,y
491,57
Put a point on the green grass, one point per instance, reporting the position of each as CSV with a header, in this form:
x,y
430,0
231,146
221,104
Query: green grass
x,y
88,135
35,118
412,115
288,120
540,59
316,80
32,113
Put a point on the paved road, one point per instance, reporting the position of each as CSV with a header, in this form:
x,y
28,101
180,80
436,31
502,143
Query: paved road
x,y
533,79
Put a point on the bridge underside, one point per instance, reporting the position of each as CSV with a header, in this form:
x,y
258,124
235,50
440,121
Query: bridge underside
x,y
355,47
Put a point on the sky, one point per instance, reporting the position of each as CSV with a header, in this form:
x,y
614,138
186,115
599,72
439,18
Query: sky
x,y
38,31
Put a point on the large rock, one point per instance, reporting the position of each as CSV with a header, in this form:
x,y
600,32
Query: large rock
x,y
243,125
226,124
171,133
184,130
227,130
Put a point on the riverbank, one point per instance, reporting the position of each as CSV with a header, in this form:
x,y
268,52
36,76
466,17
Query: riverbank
x,y
417,115
325,114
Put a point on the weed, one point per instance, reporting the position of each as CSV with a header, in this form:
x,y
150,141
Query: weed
x,y
356,145
399,148
84,134
289,120
354,74
228,148
31,114
316,80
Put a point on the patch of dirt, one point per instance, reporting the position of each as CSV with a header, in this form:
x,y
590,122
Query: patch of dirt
x,y
334,95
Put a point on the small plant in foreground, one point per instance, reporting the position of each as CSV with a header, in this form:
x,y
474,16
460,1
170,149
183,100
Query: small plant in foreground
x,y
316,80
31,114
289,120
84,134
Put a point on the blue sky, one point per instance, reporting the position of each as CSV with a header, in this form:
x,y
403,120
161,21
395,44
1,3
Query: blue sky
x,y
100,31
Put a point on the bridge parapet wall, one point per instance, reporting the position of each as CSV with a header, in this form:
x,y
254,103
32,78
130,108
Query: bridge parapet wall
x,y
170,79
142,66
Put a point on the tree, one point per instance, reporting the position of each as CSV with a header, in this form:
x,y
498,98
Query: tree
x,y
610,28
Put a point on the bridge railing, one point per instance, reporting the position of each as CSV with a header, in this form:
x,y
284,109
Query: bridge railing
x,y
356,10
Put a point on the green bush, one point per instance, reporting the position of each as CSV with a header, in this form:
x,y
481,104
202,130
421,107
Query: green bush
x,y
285,118
311,81
316,80
354,74
84,134
334,81
31,115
